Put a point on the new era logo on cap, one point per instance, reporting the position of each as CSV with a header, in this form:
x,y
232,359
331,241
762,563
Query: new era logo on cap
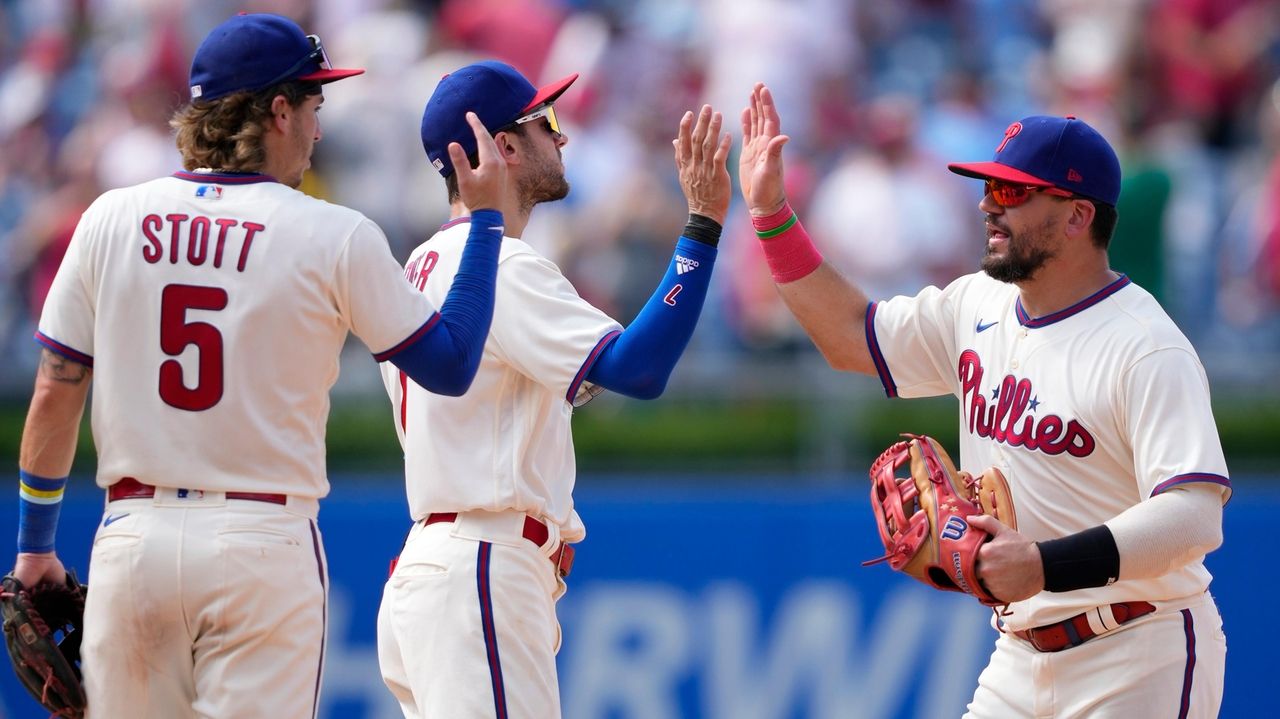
x,y
1062,152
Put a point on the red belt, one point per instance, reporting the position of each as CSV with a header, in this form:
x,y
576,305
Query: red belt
x,y
130,488
534,531
1076,631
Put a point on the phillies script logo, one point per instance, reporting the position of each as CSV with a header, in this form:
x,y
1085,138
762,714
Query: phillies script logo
x,y
1007,420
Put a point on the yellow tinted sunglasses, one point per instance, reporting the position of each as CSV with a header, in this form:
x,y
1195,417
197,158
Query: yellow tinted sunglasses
x,y
545,111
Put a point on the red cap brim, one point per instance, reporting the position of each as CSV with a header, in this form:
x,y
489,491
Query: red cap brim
x,y
549,93
997,171
337,73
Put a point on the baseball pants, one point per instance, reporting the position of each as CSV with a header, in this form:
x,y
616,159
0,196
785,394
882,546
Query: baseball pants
x,y
203,607
1169,664
467,628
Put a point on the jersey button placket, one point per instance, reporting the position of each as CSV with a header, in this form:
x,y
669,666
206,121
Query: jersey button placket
x,y
1022,335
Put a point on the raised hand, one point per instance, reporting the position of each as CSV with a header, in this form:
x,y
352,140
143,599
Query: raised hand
x,y
702,155
760,166
481,187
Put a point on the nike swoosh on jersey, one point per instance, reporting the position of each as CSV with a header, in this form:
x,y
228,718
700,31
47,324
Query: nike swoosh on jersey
x,y
111,518
983,327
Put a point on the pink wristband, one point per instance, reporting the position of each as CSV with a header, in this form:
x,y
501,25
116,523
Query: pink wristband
x,y
787,248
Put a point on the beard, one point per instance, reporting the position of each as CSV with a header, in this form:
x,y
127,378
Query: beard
x,y
1025,254
547,184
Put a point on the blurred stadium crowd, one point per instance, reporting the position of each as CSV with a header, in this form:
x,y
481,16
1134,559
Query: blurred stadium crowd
x,y
877,96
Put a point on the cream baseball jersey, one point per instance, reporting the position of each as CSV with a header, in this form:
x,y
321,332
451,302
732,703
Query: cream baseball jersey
x,y
1087,411
507,444
212,309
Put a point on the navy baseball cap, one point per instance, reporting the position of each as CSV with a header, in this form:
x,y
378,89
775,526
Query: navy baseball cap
x,y
1046,151
496,92
252,51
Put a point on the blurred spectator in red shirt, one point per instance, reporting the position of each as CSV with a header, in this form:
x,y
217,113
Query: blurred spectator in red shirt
x,y
1206,60
519,32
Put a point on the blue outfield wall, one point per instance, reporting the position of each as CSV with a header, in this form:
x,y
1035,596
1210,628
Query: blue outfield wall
x,y
718,600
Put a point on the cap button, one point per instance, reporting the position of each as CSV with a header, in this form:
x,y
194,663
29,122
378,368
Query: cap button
x,y
1071,117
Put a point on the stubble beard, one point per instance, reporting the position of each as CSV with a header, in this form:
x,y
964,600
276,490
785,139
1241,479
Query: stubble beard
x,y
547,185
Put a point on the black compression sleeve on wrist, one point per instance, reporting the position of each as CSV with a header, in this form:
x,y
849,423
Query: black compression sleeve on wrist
x,y
702,229
1081,560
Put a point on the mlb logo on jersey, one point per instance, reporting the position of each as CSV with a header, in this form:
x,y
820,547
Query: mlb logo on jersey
x,y
684,264
209,192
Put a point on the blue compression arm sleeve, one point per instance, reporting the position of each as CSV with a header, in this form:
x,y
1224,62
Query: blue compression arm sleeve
x,y
639,361
444,360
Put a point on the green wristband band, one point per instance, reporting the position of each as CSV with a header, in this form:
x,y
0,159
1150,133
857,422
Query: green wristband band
x,y
791,221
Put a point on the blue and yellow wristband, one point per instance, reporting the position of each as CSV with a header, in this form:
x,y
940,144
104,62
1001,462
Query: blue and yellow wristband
x,y
39,503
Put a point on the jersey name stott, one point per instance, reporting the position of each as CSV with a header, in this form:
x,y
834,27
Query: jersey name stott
x,y
197,239
1000,421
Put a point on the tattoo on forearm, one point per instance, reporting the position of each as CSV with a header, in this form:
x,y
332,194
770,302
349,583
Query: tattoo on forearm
x,y
61,369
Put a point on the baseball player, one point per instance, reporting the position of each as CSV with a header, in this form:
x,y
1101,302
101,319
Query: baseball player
x,y
467,626
1080,389
212,306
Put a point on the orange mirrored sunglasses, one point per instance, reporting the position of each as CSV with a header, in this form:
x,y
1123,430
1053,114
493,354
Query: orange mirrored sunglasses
x,y
1007,194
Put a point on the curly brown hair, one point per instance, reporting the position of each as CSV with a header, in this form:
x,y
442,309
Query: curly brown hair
x,y
226,133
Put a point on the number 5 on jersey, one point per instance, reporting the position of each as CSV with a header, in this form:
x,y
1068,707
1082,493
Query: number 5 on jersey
x,y
176,333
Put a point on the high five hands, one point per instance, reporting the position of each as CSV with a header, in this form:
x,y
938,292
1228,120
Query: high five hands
x,y
760,166
702,155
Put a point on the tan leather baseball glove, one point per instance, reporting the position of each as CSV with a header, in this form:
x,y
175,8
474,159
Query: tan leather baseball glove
x,y
921,515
